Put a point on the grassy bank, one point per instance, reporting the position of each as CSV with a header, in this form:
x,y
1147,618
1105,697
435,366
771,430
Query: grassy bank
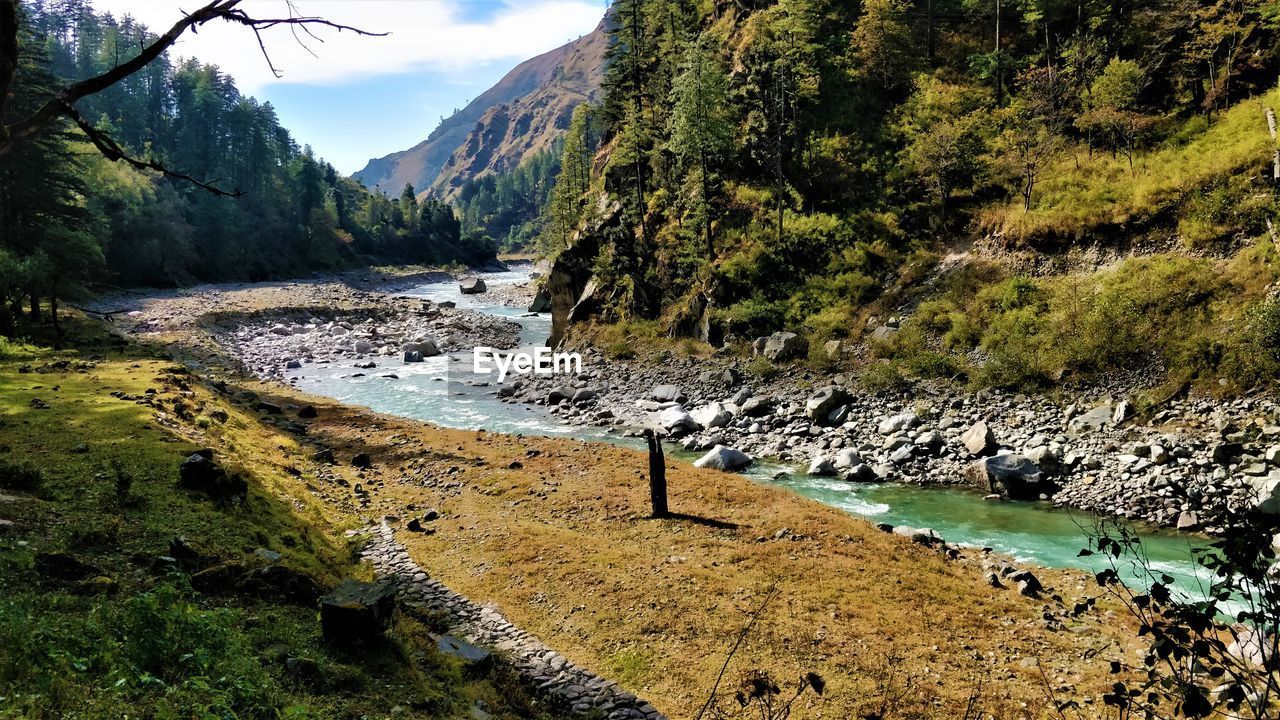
x,y
95,622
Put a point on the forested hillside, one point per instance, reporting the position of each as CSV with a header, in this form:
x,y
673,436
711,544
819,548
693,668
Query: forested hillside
x,y
976,167
71,218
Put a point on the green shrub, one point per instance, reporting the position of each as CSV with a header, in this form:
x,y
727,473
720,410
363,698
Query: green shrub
x,y
882,377
762,368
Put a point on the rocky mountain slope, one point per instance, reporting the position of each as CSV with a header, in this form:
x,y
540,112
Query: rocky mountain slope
x,y
524,113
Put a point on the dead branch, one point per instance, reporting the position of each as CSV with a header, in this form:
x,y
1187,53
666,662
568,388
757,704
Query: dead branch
x,y
111,150
62,104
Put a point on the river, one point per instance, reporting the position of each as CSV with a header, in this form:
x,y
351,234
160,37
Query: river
x,y
440,391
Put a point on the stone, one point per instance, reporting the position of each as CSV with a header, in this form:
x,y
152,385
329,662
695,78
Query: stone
x,y
722,457
307,412
674,420
883,334
293,365
200,473
413,356
1188,521
1123,411
666,393
358,613
979,439
824,402
846,458
361,461
757,406
1095,419
1267,493
583,395
822,466
541,302
557,395
898,423
280,583
1012,476
862,473
1027,583
1227,452
472,286
783,346
921,536
324,456
712,416
364,347
931,442
832,349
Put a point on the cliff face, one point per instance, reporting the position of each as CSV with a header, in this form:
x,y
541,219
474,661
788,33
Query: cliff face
x,y
524,113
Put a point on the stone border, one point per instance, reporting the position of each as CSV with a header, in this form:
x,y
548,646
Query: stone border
x,y
543,669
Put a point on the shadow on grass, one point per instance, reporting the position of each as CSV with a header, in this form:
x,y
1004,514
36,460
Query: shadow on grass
x,y
698,520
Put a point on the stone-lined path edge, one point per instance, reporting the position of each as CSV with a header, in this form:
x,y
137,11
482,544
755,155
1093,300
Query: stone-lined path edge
x,y
542,668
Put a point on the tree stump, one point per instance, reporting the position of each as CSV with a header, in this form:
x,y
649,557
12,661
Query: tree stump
x,y
657,475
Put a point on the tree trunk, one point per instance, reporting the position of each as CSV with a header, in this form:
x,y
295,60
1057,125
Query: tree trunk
x,y
706,210
6,320
53,313
35,307
657,476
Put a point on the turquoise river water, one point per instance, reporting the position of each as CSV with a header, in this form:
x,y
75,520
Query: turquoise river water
x,y
439,391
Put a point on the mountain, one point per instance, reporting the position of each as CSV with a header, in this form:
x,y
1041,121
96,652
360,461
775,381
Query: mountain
x,y
525,112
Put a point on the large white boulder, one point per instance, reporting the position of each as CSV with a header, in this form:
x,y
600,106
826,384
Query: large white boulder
x,y
725,458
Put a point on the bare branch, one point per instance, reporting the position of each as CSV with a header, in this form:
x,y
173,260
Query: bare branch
x,y
112,151
48,113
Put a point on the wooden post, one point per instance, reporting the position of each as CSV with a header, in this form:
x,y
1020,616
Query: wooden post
x,y
657,475
1271,122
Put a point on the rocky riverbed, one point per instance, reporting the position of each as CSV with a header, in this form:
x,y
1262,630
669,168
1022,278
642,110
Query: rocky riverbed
x,y
1188,465
271,330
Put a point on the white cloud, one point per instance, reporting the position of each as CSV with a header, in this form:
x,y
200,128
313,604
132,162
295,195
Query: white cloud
x,y
425,35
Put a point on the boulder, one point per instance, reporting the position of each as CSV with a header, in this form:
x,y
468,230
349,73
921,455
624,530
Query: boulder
x,y
862,473
357,613
1123,411
558,395
1267,493
897,423
979,439
362,461
931,442
757,406
922,536
1012,476
541,302
1095,419
822,466
413,356
723,458
784,346
307,412
472,286
584,395
675,420
1227,452
846,458
293,365
1188,521
821,404
832,349
364,347
883,334
666,393
200,473
62,567
712,416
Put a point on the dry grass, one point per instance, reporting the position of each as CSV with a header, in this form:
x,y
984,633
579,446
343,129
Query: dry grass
x,y
562,546
1078,194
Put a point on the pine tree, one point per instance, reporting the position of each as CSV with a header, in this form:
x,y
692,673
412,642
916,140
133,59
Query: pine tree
x,y
701,128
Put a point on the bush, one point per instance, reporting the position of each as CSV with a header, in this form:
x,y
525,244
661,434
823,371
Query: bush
x,y
882,377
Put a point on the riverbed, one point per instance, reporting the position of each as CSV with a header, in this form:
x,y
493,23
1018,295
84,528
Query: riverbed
x,y
443,390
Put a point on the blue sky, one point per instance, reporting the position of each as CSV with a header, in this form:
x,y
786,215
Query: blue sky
x,y
361,97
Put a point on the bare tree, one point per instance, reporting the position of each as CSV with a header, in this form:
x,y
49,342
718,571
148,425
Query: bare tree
x,y
62,103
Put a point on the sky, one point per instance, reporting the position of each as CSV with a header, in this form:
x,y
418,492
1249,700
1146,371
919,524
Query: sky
x,y
360,97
